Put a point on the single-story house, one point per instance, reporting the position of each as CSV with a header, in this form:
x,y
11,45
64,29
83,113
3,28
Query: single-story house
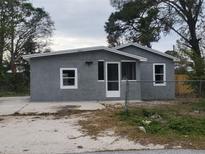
x,y
102,74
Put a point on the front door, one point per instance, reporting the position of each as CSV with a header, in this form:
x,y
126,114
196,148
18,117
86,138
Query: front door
x,y
112,79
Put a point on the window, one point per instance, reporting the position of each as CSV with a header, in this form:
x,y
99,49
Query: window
x,y
128,71
159,75
101,70
68,78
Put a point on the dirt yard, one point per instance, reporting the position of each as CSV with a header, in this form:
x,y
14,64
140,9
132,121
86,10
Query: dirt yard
x,y
40,128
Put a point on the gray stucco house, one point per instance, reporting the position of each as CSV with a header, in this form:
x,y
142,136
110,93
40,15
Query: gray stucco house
x,y
100,74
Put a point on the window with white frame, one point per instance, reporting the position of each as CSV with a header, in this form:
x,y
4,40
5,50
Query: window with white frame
x,y
68,78
159,74
128,70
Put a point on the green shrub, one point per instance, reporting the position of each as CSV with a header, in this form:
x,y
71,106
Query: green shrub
x,y
147,113
154,127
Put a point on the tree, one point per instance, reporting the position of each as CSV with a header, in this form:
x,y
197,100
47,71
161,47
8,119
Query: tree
x,y
24,24
183,64
184,17
4,29
136,21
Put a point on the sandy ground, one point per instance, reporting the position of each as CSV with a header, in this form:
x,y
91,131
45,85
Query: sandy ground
x,y
48,134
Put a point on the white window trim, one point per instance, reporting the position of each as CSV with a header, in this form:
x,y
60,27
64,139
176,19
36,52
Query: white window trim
x,y
101,80
128,61
104,71
164,75
61,79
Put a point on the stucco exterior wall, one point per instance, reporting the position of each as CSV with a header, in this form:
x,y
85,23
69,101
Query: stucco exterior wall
x,y
45,77
148,90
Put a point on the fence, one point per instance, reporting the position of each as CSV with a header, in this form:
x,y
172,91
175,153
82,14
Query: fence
x,y
183,89
170,89
190,88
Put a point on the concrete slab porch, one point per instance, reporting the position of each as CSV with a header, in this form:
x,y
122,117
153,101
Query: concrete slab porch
x,y
11,105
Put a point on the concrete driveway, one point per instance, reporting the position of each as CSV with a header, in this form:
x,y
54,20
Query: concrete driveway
x,y
47,133
11,105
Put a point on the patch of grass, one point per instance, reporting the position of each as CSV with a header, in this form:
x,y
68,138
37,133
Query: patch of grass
x,y
171,124
163,121
200,106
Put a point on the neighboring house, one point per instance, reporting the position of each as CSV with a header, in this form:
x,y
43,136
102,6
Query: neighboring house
x,y
100,73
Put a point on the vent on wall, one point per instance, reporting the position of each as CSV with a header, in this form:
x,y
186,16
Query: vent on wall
x,y
89,63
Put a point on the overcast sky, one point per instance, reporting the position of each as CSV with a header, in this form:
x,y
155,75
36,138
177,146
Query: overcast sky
x,y
80,23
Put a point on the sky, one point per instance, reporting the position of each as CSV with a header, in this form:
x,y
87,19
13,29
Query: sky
x,y
80,23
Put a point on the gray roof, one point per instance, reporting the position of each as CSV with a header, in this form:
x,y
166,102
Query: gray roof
x,y
27,57
147,49
113,50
